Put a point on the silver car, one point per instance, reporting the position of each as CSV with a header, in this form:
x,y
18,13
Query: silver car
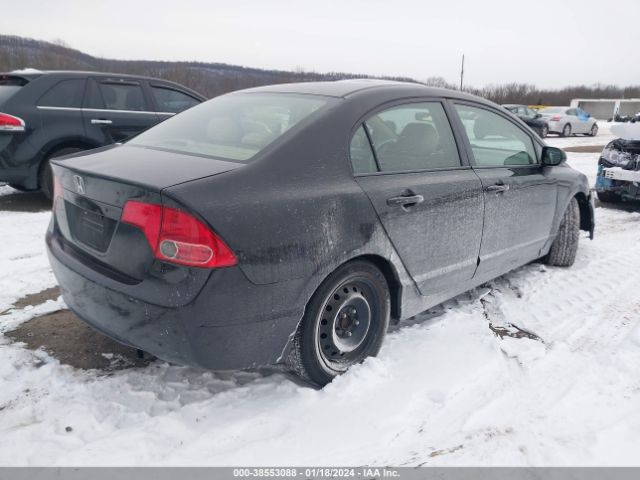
x,y
567,121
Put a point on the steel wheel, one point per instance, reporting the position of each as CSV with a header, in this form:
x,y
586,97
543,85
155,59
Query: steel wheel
x,y
344,323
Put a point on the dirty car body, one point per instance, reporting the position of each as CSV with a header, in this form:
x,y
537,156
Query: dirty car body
x,y
290,191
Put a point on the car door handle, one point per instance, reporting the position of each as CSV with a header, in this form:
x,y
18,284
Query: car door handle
x,y
100,121
405,200
497,188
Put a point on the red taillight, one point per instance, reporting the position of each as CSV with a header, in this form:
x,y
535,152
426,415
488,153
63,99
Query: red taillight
x,y
57,190
147,217
177,237
556,118
9,123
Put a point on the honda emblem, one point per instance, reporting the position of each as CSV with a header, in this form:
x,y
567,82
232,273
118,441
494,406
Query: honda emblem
x,y
79,182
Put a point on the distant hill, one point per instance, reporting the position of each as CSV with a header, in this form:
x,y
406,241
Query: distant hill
x,y
210,79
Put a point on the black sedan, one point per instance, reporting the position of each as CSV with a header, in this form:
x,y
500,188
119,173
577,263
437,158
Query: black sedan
x,y
291,224
532,118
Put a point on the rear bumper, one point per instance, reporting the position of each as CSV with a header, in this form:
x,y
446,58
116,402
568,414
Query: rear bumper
x,y
555,127
231,324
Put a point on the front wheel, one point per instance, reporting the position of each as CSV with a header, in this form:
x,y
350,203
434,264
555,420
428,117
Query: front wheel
x,y
565,246
345,322
566,130
594,130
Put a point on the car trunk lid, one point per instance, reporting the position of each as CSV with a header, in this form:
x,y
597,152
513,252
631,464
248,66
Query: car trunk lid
x,y
92,189
147,168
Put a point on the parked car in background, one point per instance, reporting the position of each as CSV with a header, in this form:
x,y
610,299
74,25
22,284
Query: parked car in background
x,y
50,114
291,223
529,116
625,118
567,121
619,166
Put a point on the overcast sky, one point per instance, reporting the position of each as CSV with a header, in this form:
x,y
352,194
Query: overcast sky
x,y
547,43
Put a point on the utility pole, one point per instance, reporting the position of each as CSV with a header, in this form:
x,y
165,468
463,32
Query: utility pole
x,y
462,72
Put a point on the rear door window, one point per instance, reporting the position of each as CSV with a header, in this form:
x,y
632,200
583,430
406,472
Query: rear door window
x,y
413,137
67,93
170,100
495,141
122,96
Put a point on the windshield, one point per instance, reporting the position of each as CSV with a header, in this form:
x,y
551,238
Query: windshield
x,y
234,127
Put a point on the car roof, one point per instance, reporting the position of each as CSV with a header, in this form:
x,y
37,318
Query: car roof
x,y
348,88
32,74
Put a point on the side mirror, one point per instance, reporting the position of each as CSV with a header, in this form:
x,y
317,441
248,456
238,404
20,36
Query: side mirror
x,y
538,115
552,156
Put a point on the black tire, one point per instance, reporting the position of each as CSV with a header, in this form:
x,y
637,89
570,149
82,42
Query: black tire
x,y
45,176
565,246
566,130
609,197
594,130
20,188
345,322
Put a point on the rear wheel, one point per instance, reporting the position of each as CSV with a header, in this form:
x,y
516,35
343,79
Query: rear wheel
x,y
594,130
345,322
566,130
20,188
45,175
565,246
609,197
544,131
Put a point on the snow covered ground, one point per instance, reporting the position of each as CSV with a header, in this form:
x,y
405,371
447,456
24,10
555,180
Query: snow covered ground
x,y
445,390
604,136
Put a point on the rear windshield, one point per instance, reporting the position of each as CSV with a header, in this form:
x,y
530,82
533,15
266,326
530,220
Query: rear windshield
x,y
233,127
9,85
7,91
